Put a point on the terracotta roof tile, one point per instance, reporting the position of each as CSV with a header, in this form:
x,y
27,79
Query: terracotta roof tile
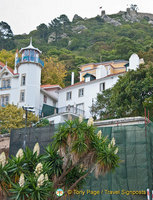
x,y
46,86
9,68
79,83
2,64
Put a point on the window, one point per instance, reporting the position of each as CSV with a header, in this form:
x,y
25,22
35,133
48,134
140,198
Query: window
x,y
45,98
6,83
81,92
102,86
68,95
22,96
23,79
80,109
4,100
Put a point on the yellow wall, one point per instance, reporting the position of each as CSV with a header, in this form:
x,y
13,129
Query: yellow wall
x,y
114,69
83,68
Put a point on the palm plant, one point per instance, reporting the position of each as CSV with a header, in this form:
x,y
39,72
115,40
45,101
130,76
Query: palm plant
x,y
79,145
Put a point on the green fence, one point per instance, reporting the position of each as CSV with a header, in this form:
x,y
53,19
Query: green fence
x,y
128,182
134,174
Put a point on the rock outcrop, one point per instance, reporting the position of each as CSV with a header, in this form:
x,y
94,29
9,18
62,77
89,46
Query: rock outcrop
x,y
109,20
79,28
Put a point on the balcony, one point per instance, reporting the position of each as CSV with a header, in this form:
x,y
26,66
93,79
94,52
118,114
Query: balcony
x,y
71,110
30,59
5,88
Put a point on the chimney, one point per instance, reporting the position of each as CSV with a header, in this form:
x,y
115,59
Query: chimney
x,y
16,60
72,78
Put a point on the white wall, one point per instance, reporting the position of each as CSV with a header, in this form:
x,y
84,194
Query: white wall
x,y
134,62
49,100
53,92
13,92
32,86
101,71
90,92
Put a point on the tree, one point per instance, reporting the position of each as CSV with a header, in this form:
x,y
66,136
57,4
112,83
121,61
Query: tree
x,y
56,26
43,31
131,94
6,36
64,21
7,56
77,151
53,72
125,47
13,117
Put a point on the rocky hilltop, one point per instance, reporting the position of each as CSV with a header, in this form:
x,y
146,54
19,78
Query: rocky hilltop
x,y
128,16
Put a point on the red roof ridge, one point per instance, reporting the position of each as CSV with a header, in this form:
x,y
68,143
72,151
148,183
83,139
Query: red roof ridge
x,y
78,83
47,85
2,64
9,68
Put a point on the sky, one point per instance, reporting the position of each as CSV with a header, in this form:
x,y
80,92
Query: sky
x,y
25,15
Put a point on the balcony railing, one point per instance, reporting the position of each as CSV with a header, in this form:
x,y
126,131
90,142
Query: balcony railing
x,y
4,88
30,59
71,109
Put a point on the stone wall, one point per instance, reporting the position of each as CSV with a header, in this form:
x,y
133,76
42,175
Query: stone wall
x,y
4,143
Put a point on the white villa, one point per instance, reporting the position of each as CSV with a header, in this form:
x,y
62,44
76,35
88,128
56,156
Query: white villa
x,y
22,86
78,98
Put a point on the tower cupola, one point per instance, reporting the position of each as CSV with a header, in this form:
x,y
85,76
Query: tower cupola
x,y
31,54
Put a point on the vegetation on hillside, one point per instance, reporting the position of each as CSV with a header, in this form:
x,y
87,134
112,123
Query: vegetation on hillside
x,y
84,40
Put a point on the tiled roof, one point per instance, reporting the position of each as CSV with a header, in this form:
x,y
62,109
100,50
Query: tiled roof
x,y
46,86
106,62
115,74
9,68
2,64
79,83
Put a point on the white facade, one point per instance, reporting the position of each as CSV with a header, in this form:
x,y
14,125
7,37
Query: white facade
x,y
78,98
134,62
22,86
83,101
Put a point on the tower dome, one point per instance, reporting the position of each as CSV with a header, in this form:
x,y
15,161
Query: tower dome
x,y
31,54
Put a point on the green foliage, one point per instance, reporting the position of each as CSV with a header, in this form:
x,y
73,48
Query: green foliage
x,y
76,151
131,94
42,123
7,56
13,117
6,37
99,41
43,31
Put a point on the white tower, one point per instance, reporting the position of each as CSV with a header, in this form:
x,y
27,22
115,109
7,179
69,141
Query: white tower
x,y
29,70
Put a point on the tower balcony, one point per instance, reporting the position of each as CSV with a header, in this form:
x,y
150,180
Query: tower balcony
x,y
30,59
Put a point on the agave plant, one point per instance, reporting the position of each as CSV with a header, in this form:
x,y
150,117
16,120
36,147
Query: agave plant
x,y
79,145
77,150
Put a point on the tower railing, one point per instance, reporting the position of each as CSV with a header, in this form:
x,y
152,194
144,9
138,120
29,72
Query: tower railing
x,y
30,59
